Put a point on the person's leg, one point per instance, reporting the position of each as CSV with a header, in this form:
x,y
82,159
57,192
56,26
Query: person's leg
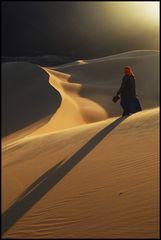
x,y
125,113
125,107
138,105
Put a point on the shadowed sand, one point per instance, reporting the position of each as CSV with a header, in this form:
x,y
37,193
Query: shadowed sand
x,y
27,96
71,167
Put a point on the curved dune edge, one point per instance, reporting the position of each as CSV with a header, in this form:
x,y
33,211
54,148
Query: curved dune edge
x,y
74,109
115,183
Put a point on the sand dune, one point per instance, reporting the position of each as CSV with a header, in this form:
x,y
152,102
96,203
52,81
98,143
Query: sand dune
x,y
100,78
74,110
86,89
72,167
106,183
91,87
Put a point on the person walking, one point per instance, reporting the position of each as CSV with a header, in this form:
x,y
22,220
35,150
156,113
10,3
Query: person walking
x,y
127,93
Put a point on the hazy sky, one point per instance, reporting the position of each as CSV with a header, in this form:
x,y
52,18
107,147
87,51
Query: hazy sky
x,y
79,28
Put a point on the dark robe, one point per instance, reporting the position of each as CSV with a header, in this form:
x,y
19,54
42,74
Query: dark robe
x,y
127,90
129,101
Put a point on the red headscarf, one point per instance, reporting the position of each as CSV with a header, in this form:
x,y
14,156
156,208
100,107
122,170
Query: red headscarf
x,y
128,71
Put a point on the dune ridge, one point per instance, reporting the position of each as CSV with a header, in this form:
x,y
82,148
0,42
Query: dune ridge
x,y
82,110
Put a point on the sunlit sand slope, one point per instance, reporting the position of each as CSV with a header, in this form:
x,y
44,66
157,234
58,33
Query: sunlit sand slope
x,y
95,180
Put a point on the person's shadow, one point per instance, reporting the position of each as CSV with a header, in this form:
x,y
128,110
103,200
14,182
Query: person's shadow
x,y
50,178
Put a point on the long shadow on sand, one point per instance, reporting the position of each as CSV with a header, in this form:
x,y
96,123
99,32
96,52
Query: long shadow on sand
x,y
49,179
